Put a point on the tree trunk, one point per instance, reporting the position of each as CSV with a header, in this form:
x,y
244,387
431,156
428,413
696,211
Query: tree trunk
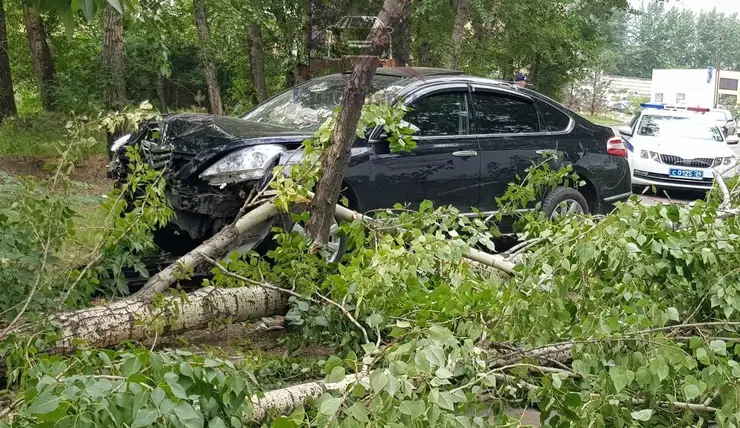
x,y
43,67
220,242
284,401
206,60
213,247
335,158
135,319
425,55
256,60
401,37
112,56
462,15
7,95
161,93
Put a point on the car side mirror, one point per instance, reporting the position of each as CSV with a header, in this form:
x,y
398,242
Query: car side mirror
x,y
416,129
733,139
625,131
410,125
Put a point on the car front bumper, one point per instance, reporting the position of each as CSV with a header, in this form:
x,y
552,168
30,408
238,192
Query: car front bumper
x,y
647,172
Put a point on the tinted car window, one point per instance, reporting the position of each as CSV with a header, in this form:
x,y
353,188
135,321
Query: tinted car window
x,y
555,120
440,114
503,114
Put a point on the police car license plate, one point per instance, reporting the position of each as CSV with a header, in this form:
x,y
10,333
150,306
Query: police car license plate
x,y
686,173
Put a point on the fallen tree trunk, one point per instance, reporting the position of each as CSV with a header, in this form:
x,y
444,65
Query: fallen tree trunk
x,y
492,260
284,401
160,282
217,244
131,319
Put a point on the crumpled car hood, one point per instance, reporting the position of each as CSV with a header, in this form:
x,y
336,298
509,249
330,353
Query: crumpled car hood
x,y
199,133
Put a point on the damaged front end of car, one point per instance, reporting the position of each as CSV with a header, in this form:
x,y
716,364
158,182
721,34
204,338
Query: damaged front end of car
x,y
211,165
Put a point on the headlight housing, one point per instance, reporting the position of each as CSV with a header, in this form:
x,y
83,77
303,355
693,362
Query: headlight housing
x,y
723,161
119,143
250,163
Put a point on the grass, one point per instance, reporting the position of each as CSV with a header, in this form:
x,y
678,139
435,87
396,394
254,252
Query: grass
x,y
35,135
600,120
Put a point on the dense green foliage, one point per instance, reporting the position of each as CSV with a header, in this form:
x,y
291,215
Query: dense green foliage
x,y
666,36
547,40
623,320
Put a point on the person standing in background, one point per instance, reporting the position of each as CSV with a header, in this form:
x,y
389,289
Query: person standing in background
x,y
520,80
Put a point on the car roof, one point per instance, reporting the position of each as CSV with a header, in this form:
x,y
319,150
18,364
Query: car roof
x,y
412,72
673,113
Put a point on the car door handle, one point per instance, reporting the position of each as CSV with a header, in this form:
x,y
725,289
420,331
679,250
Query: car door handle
x,y
465,153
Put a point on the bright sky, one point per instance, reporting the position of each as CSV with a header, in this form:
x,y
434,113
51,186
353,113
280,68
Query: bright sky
x,y
726,6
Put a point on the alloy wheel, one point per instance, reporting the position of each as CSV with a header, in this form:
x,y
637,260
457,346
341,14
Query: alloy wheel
x,y
568,206
331,252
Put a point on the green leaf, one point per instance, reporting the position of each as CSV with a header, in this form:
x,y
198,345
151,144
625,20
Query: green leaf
x,y
691,392
337,374
330,406
642,376
718,347
44,403
145,417
621,377
216,423
177,389
358,411
378,381
703,356
642,415
556,381
414,409
283,422
663,370
158,395
446,401
672,314
632,248
573,399
374,320
116,5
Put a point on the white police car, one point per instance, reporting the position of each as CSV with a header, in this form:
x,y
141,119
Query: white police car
x,y
677,148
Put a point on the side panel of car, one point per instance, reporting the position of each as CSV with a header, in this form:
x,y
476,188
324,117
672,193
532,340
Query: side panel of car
x,y
444,167
609,175
511,139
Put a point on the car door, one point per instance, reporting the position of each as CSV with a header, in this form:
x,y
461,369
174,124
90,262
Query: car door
x,y
510,137
443,168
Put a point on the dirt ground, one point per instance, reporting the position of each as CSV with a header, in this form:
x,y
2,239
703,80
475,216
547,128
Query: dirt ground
x,y
91,171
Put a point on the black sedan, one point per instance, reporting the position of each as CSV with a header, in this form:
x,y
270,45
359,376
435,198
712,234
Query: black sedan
x,y
474,136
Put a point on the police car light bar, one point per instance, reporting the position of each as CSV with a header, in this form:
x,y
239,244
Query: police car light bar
x,y
652,105
698,109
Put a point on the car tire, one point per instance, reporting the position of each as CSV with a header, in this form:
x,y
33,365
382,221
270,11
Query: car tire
x,y
564,200
174,242
338,246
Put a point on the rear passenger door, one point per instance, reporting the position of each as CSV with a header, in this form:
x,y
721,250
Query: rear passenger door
x,y
445,165
511,139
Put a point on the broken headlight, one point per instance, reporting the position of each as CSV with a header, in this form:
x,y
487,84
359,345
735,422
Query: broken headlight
x,y
242,165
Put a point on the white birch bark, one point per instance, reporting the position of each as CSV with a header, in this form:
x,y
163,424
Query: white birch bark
x,y
135,319
284,401
214,246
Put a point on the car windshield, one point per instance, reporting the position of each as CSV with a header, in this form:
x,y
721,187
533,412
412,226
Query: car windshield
x,y
306,106
678,127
